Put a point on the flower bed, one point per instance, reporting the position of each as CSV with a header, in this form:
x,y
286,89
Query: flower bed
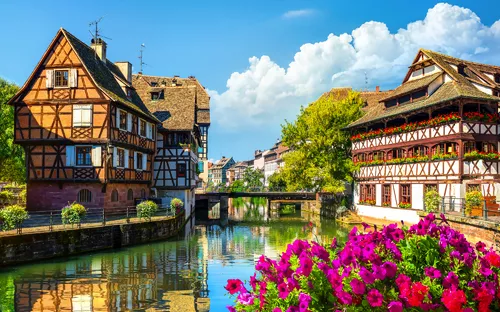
x,y
428,267
404,205
408,160
438,120
476,155
369,202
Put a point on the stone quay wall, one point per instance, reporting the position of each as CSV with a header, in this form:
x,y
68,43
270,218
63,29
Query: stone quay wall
x,y
29,247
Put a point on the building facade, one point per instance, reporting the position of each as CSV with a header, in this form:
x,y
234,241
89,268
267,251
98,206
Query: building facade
x,y
182,107
87,135
438,130
273,160
219,169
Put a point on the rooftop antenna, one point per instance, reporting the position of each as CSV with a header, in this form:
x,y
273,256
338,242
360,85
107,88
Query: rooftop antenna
x,y
141,57
96,34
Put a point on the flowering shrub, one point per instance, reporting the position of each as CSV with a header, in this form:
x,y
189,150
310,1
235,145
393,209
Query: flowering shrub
x,y
12,217
73,213
370,202
146,209
432,201
177,205
428,267
404,205
451,117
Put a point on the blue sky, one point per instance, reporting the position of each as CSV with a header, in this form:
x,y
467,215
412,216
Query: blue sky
x,y
260,60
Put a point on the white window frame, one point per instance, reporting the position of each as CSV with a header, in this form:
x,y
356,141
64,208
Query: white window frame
x,y
125,154
81,108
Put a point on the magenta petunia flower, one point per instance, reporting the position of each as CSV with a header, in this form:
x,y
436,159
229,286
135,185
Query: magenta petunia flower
x,y
375,298
293,309
366,275
450,280
305,267
378,272
432,272
246,298
233,286
344,297
231,309
283,290
358,287
390,269
395,306
304,300
277,310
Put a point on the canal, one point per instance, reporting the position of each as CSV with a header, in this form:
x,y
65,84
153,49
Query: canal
x,y
187,273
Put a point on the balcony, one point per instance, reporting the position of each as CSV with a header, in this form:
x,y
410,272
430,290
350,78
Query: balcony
x,y
440,126
412,171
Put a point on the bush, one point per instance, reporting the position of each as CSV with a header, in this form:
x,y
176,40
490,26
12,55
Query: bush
x,y
432,201
22,196
13,216
473,200
428,267
6,196
177,205
146,209
73,213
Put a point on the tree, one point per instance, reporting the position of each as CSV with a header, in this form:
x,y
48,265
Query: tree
x,y
277,182
237,186
12,167
253,178
320,147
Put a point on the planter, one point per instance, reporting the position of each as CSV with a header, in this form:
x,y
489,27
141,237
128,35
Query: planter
x,y
475,212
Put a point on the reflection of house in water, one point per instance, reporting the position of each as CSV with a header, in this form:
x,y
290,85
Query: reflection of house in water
x,y
139,278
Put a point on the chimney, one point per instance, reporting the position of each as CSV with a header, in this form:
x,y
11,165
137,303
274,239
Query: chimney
x,y
126,69
99,47
377,89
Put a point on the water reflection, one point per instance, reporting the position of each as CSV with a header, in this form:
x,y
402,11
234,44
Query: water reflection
x,y
185,274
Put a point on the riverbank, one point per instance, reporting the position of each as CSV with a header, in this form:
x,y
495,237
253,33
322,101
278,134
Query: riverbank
x,y
28,247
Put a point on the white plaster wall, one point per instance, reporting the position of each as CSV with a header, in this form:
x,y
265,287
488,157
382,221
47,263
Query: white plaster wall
x,y
378,194
417,196
258,163
388,214
442,189
356,192
447,78
394,195
483,88
435,85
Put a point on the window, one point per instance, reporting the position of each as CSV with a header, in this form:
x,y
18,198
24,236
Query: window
x,y
83,155
176,138
120,158
114,196
445,148
154,83
405,190
84,196
181,170
61,78
155,96
386,195
497,78
419,151
130,194
370,195
139,161
142,128
129,93
461,69
396,153
469,146
82,115
376,156
123,120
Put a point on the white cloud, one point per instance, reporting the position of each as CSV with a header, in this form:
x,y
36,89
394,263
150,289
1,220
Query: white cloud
x,y
266,93
298,13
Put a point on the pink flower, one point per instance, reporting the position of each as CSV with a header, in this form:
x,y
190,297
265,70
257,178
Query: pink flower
x,y
375,298
231,309
283,290
395,306
234,286
304,301
366,275
358,287
246,298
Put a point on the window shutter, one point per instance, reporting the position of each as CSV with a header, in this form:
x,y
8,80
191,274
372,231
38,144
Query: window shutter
x,y
49,78
87,116
77,116
126,159
70,156
144,161
96,156
117,125
129,122
135,160
115,157
73,78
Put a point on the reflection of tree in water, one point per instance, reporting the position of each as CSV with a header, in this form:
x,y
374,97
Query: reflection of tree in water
x,y
247,209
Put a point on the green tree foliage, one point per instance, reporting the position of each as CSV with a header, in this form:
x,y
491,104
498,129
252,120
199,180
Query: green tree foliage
x,y
11,155
237,186
253,178
277,182
320,157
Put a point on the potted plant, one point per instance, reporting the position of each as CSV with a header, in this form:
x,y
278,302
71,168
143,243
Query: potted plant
x,y
405,205
73,214
146,209
177,205
474,203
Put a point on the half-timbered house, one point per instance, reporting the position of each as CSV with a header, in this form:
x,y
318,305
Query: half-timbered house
x,y
86,133
182,106
219,169
438,130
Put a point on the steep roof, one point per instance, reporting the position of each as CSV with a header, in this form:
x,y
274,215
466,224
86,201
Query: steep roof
x,y
460,86
184,105
104,74
221,163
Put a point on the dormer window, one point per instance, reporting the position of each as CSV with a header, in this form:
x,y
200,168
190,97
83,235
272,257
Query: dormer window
x,y
497,78
461,69
129,93
154,84
157,96
61,78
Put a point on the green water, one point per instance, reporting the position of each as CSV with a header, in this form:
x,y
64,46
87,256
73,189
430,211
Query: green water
x,y
183,274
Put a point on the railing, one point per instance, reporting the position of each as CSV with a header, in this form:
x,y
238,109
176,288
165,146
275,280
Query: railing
x,y
48,221
489,209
